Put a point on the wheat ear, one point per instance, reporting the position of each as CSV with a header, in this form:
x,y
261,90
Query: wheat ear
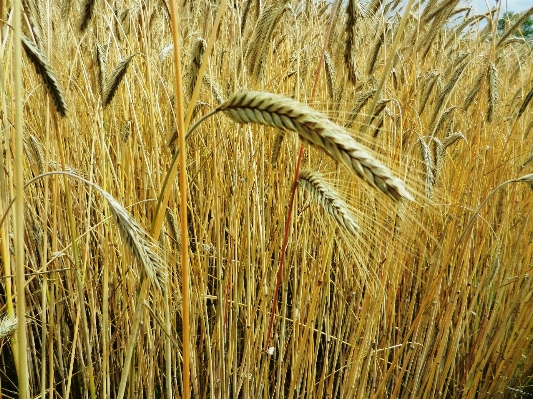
x,y
8,325
361,101
37,153
329,199
492,92
101,58
276,148
143,247
312,126
451,139
197,55
523,18
330,76
525,103
87,13
174,227
352,13
258,47
427,157
115,79
43,68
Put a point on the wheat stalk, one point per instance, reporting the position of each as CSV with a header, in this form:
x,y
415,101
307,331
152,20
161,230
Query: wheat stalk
x,y
43,68
312,126
329,199
115,79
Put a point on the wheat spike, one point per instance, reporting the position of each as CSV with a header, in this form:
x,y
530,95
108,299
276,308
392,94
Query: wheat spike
x,y
430,81
375,53
361,101
353,12
518,23
37,153
329,199
312,126
126,131
101,57
115,79
8,325
378,125
197,55
430,167
473,93
87,13
245,12
276,148
451,139
167,50
330,76
259,44
444,117
174,227
215,90
143,247
43,68
525,103
492,91
447,89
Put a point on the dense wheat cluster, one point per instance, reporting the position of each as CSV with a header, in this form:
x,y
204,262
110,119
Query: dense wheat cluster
x,y
407,271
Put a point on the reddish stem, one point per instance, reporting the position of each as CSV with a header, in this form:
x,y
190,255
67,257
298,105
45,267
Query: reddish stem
x,y
294,185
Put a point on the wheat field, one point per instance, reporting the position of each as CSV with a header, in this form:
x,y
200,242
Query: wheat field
x,y
265,199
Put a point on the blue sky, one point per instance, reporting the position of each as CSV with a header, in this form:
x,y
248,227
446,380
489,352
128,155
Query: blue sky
x,y
507,5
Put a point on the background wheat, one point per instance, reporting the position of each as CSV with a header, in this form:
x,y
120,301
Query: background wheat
x,y
404,308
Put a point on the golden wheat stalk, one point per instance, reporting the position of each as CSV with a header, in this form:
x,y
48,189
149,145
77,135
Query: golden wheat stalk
x,y
330,200
312,126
